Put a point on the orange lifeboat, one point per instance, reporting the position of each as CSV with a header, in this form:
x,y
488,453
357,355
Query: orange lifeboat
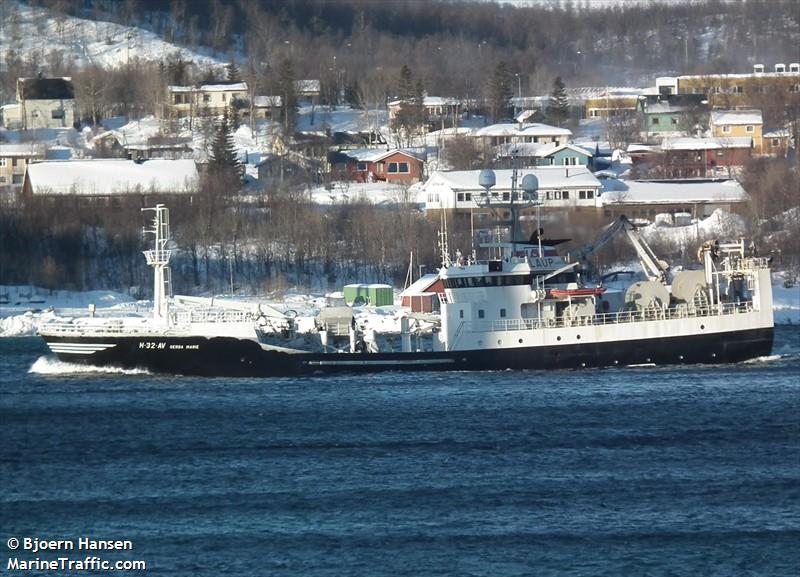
x,y
577,292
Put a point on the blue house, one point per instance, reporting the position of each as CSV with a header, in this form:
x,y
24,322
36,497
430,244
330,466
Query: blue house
x,y
564,155
533,154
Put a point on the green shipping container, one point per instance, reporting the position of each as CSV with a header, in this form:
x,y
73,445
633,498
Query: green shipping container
x,y
377,295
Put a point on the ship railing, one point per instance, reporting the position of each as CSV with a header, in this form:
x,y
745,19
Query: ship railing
x,y
188,317
621,317
180,322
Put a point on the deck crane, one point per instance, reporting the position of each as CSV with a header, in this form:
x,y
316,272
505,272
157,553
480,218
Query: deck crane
x,y
655,268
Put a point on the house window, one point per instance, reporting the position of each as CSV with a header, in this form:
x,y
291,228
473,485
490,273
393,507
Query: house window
x,y
398,167
224,97
2,179
502,313
674,121
565,194
776,142
2,161
206,98
749,128
460,197
361,166
571,161
654,121
16,178
726,129
593,113
57,114
468,196
506,196
14,162
738,89
481,314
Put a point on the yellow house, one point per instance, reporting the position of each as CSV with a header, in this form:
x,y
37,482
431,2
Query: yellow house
x,y
740,90
14,160
736,123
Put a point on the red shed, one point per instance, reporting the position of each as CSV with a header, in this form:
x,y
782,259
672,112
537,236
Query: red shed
x,y
423,295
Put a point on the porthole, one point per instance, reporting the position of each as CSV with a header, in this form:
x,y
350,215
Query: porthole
x,y
680,357
578,337
499,341
520,341
558,338
702,327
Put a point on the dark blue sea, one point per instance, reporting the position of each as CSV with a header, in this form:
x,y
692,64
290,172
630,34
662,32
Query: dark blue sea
x,y
621,472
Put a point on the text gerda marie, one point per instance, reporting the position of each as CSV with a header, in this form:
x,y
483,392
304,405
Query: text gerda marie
x,y
34,544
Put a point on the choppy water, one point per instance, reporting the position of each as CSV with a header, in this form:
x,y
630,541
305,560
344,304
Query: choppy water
x,y
655,471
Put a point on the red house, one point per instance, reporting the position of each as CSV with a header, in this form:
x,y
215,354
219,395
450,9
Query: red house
x,y
372,165
704,157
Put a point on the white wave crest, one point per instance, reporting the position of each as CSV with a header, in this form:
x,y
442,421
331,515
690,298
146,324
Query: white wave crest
x,y
765,359
52,366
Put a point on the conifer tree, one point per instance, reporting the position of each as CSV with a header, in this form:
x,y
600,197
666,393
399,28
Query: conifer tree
x,y
222,158
288,95
558,107
499,92
405,85
232,73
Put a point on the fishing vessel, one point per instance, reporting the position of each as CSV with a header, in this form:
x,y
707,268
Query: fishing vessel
x,y
522,307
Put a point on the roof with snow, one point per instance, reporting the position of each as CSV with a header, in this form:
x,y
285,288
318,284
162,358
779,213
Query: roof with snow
x,y
267,101
377,154
538,149
21,150
306,87
47,88
723,117
550,177
671,192
687,143
224,86
109,177
515,129
421,285
212,87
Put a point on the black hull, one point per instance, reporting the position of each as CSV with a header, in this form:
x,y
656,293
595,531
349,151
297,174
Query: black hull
x,y
231,357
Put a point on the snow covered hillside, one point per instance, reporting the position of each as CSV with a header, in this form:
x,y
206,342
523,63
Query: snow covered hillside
x,y
83,41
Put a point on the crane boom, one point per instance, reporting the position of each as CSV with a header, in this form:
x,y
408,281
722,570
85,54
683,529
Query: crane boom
x,y
655,268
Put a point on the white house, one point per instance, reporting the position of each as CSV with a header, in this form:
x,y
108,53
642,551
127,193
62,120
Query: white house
x,y
559,187
42,103
517,133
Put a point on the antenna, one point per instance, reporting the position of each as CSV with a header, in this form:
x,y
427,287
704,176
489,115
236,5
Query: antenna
x,y
158,258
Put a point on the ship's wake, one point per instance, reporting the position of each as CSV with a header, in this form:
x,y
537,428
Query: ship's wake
x,y
764,359
52,366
